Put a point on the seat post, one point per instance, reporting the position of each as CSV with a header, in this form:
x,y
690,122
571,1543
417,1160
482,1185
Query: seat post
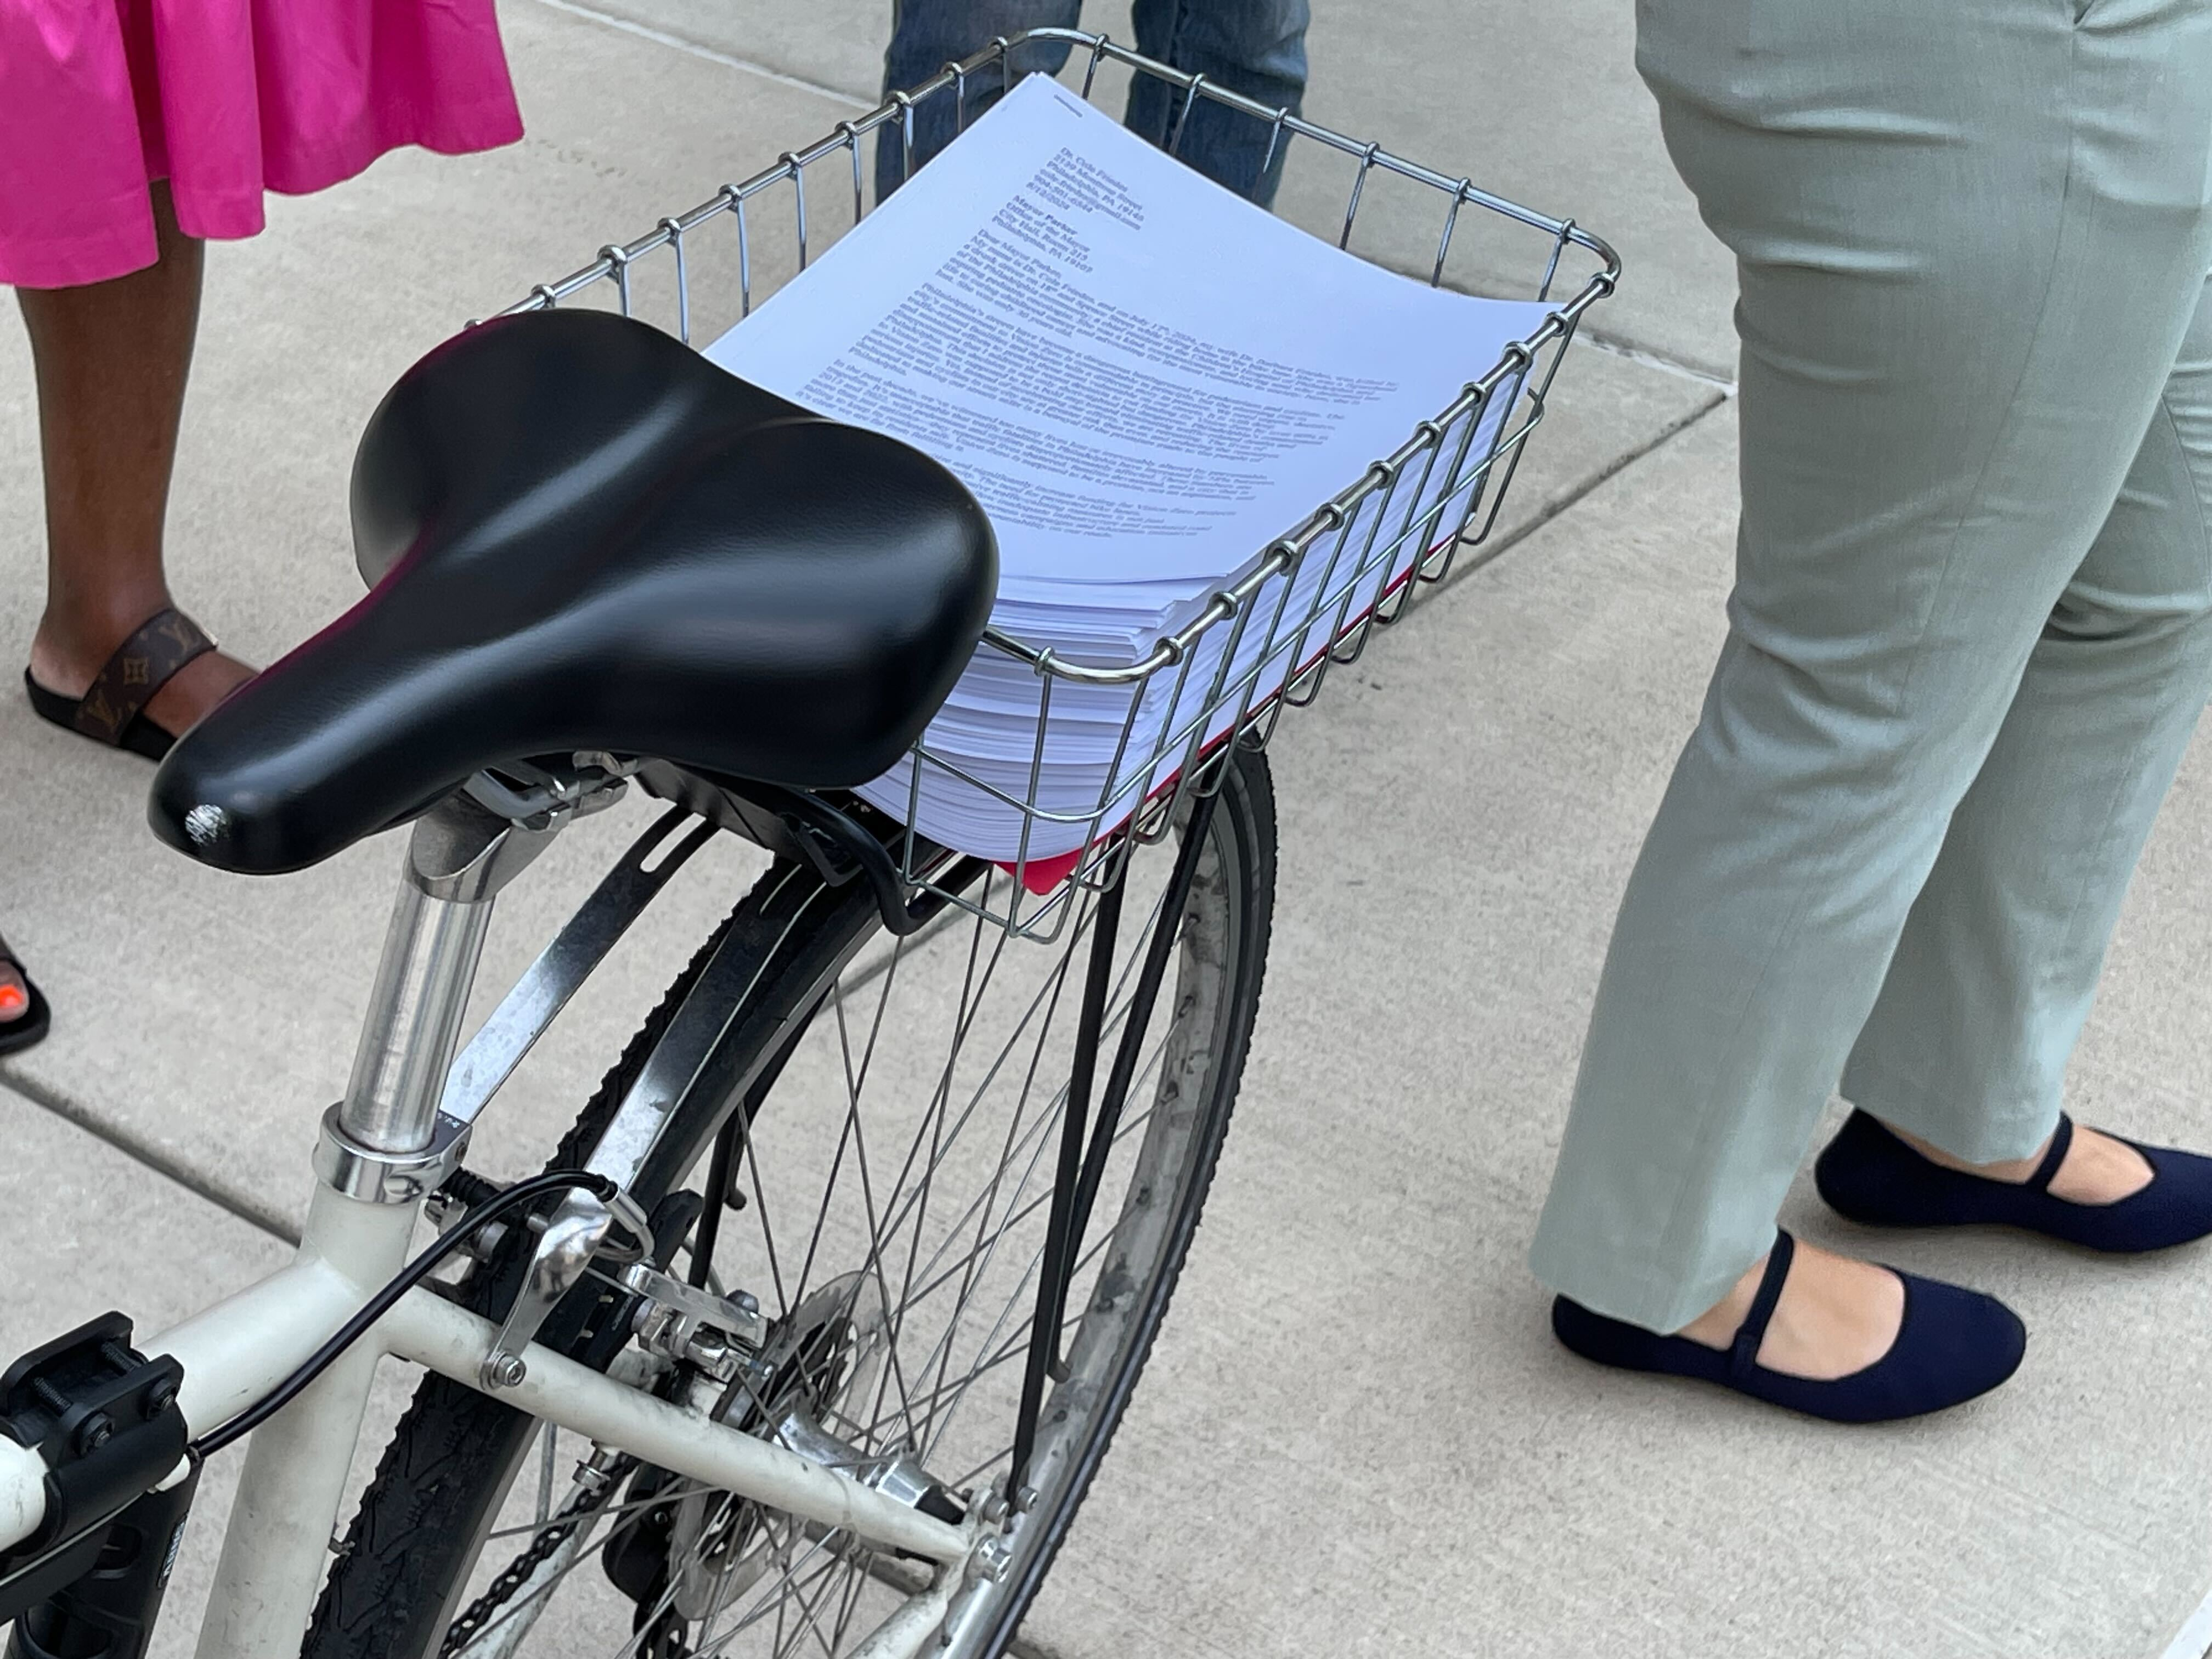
x,y
458,857
379,1156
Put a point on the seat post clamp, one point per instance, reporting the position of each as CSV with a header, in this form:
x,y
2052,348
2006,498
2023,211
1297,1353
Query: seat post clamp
x,y
346,1166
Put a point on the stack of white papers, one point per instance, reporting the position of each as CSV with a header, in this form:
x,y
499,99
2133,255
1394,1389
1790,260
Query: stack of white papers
x,y
1145,380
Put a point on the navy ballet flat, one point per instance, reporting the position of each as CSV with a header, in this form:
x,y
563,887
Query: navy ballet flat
x,y
1871,1176
1952,1344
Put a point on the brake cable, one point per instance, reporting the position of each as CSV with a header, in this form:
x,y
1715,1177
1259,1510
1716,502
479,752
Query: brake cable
x,y
507,1199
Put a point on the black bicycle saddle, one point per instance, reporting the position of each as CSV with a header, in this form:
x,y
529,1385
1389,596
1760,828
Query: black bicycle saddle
x,y
581,535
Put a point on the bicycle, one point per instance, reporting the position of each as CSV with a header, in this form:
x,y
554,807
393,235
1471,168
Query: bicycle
x,y
862,1422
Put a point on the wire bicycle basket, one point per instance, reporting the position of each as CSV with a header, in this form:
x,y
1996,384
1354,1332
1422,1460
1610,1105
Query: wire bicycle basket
x,y
1262,643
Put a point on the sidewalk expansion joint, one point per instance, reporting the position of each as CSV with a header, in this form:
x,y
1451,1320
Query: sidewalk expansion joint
x,y
1592,335
157,1159
1489,553
699,49
1644,357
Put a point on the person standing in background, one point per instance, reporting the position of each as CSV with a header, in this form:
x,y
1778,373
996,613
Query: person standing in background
x,y
131,131
1256,48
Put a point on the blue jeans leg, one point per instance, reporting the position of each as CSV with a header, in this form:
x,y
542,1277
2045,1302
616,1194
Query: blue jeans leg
x,y
1255,47
927,34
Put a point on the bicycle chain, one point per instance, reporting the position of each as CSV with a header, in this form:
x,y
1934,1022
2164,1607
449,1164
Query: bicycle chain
x,y
479,1614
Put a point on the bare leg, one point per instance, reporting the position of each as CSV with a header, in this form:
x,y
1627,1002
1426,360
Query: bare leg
x,y
111,359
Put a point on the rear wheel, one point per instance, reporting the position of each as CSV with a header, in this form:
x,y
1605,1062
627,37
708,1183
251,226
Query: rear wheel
x,y
886,1199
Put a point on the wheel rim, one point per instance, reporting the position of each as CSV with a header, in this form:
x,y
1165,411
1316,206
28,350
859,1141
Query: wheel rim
x,y
920,1113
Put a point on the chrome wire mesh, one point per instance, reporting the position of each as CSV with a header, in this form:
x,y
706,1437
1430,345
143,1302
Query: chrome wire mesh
x,y
1381,539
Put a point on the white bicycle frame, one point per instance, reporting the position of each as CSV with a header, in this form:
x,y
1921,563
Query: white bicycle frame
x,y
383,1151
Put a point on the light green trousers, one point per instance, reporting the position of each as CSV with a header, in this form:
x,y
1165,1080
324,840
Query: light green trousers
x,y
1972,627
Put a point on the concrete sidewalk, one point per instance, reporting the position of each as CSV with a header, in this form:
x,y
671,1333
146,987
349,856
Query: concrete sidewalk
x,y
1356,1436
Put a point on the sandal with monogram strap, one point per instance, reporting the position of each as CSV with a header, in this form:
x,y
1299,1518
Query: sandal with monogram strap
x,y
24,1014
112,710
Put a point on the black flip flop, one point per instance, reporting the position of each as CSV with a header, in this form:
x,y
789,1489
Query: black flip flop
x,y
29,1026
111,710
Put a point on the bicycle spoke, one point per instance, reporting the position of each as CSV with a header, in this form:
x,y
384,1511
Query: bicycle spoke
x,y
777,1595
808,1611
1016,1346
530,1600
1042,1199
793,1588
613,1510
855,1081
854,1587
871,1269
983,1205
548,1461
939,1425
1022,1285
880,1233
976,1265
1045,994
901,1168
971,995
1019,1345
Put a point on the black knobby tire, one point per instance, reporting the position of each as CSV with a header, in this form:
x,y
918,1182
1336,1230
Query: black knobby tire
x,y
406,1557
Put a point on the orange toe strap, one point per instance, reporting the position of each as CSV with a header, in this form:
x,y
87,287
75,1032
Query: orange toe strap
x,y
13,1002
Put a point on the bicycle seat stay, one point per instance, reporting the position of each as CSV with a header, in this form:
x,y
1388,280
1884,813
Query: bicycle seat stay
x,y
582,535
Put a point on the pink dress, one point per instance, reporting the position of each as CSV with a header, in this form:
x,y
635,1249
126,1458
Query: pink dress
x,y
224,99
